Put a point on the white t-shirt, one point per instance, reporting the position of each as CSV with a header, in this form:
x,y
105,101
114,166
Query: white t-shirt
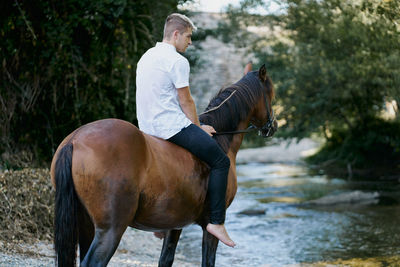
x,y
160,71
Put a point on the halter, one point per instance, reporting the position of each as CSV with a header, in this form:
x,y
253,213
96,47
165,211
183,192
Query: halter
x,y
265,128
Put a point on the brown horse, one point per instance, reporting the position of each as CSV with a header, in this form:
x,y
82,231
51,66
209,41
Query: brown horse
x,y
109,175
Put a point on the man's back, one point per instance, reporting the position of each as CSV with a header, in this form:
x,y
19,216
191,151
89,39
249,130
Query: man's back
x,y
160,71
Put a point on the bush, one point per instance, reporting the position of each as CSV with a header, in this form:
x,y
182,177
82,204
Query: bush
x,y
370,151
67,63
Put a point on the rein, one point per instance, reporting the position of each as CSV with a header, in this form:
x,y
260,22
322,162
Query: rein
x,y
267,127
217,107
248,130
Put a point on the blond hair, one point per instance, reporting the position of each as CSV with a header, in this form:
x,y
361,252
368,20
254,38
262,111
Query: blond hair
x,y
179,22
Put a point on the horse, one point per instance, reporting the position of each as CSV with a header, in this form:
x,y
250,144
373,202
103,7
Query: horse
x,y
108,175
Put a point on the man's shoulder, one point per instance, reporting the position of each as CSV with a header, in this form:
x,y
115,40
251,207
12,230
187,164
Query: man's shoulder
x,y
164,58
170,55
181,58
171,58
180,61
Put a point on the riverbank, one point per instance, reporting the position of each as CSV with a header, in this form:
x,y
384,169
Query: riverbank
x,y
137,248
288,151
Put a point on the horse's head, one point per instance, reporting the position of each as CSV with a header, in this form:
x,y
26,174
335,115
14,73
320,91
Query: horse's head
x,y
263,116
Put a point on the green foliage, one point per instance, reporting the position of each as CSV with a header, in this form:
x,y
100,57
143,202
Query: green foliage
x,y
369,151
342,64
66,63
335,64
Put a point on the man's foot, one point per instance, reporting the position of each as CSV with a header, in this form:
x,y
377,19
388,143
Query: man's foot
x,y
159,235
219,231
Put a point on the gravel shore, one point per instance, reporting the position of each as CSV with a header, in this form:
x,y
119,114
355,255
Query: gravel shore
x,y
137,248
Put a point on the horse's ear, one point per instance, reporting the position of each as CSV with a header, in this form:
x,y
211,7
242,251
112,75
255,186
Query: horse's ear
x,y
262,73
248,68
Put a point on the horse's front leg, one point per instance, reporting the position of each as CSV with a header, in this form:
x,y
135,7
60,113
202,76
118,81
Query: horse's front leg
x,y
209,247
168,250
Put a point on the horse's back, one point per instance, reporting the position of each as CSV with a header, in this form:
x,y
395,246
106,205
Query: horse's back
x,y
103,142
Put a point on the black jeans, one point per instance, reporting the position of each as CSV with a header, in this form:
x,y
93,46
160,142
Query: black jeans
x,y
199,143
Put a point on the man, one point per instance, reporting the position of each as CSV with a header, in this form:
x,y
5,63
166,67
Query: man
x,y
165,108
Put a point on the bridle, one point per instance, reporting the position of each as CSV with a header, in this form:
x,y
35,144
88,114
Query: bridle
x,y
267,127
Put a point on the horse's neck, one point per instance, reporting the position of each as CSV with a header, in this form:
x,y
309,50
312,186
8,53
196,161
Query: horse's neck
x,y
232,152
237,140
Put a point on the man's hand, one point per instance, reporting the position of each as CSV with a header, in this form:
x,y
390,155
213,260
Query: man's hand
x,y
208,129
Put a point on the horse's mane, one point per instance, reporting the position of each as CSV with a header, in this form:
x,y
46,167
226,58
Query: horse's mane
x,y
232,105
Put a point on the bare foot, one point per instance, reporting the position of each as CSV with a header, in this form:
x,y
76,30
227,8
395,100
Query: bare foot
x,y
159,235
219,231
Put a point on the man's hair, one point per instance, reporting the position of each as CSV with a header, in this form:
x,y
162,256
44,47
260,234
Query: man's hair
x,y
179,22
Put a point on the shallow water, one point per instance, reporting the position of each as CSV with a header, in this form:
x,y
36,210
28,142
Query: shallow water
x,y
281,216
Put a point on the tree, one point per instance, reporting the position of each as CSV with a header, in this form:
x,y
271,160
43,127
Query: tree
x,y
335,65
66,63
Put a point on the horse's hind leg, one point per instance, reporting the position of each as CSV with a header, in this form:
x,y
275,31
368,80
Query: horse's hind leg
x,y
108,232
104,244
209,249
168,250
111,215
86,231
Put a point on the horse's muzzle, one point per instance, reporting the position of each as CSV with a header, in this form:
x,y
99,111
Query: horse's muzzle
x,y
269,129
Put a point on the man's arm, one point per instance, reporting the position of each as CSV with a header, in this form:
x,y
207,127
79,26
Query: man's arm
x,y
189,108
187,104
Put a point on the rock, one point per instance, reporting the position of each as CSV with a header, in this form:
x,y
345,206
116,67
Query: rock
x,y
282,152
251,212
354,197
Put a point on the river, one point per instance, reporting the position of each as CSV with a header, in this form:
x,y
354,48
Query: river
x,y
283,216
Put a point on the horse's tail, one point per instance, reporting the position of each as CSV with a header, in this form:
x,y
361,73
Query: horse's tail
x,y
66,206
